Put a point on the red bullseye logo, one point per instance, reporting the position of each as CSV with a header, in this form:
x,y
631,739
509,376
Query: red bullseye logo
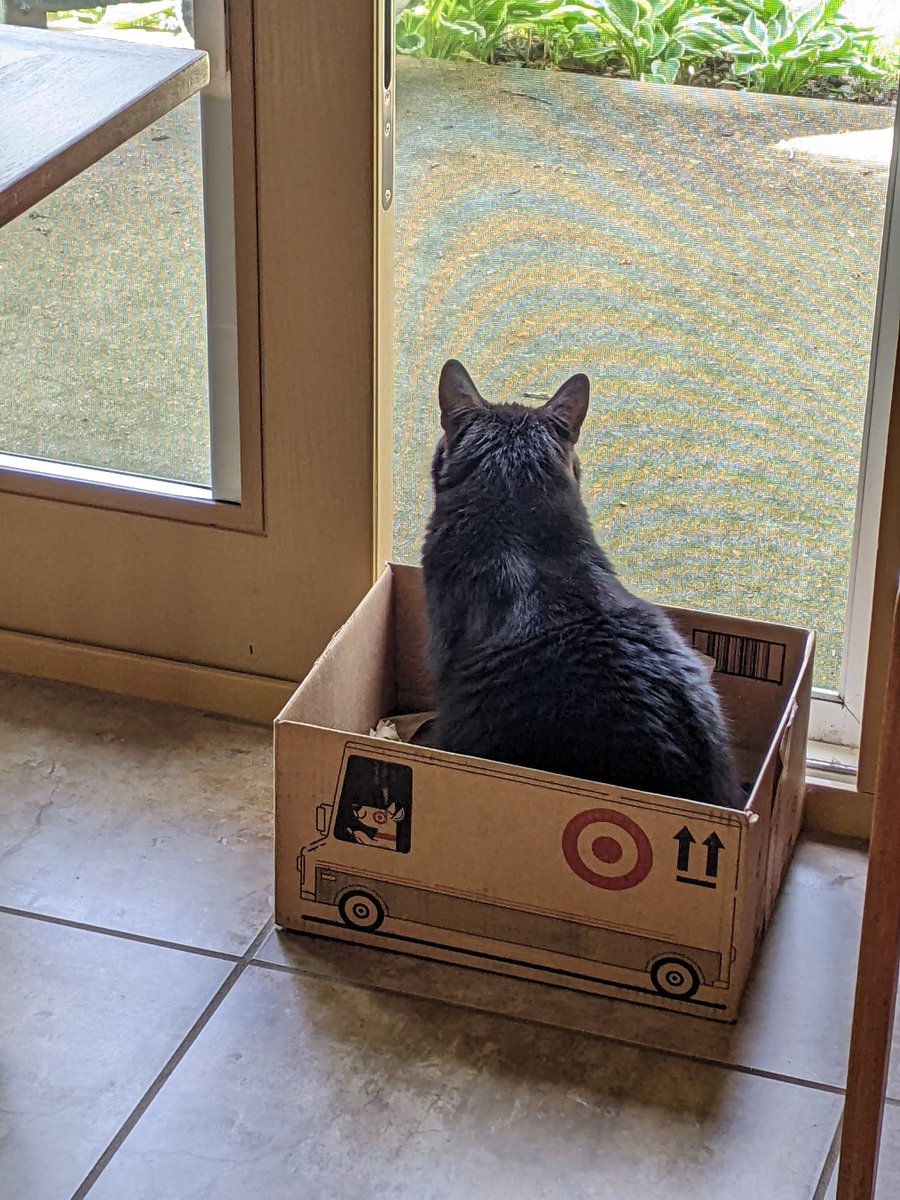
x,y
607,849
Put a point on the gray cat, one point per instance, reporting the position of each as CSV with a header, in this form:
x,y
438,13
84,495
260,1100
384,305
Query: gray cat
x,y
541,657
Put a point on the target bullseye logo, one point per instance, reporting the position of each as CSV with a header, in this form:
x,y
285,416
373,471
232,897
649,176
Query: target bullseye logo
x,y
607,849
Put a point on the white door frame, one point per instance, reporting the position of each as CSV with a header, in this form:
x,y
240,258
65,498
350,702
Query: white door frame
x,y
836,716
218,209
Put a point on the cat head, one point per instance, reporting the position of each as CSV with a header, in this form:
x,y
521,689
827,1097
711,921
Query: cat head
x,y
511,442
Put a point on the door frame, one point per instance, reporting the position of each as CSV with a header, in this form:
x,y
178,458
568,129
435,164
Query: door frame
x,y
836,716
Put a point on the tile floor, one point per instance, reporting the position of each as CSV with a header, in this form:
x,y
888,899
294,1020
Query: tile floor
x,y
158,1041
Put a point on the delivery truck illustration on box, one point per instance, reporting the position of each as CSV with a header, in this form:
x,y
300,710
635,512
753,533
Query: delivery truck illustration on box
x,y
563,872
527,873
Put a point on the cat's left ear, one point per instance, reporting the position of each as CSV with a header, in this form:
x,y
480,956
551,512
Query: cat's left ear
x,y
569,405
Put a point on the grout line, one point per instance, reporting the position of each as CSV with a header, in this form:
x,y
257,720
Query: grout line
x,y
225,956
702,1060
829,1166
120,933
181,1050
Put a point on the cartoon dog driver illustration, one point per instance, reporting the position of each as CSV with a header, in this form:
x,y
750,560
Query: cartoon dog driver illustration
x,y
377,826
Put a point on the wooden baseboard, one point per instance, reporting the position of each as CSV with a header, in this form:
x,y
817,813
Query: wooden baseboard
x,y
254,698
838,808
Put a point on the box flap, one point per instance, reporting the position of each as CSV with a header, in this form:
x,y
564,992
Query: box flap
x,y
351,684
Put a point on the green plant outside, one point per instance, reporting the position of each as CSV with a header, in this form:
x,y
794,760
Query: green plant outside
x,y
645,34
759,45
475,29
157,16
778,46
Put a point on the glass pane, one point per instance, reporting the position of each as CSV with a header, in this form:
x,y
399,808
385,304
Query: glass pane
x,y
708,255
103,291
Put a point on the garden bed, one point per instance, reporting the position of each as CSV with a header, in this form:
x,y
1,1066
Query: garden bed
x,y
786,47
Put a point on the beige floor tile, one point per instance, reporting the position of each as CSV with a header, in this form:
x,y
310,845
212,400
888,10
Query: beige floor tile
x,y
796,1013
87,1021
135,816
887,1185
302,1086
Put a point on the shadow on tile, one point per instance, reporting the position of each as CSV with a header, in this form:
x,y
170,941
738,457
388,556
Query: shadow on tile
x,y
796,1013
309,1086
134,816
87,1021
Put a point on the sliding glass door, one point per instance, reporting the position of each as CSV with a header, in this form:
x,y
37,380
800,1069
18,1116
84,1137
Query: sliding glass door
x,y
720,261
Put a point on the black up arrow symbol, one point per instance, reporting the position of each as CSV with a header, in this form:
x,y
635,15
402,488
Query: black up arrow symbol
x,y
685,840
713,845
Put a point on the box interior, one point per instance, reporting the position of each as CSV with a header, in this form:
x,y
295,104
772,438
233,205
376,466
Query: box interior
x,y
413,686
377,665
352,684
745,699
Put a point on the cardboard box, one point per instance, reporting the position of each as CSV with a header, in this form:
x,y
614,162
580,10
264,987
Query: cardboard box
x,y
648,898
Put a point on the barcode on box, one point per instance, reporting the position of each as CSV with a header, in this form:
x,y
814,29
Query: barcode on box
x,y
751,658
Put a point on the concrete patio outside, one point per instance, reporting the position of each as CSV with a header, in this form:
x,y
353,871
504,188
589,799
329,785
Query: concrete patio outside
x,y
709,259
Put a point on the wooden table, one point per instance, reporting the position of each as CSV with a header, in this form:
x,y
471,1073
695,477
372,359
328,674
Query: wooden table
x,y
67,99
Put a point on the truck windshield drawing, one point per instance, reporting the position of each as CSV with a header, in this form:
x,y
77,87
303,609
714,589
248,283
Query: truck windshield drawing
x,y
375,804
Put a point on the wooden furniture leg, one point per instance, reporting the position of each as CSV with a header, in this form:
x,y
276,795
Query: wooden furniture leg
x,y
879,955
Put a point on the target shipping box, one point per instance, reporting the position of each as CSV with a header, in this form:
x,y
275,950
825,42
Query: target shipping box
x,y
604,889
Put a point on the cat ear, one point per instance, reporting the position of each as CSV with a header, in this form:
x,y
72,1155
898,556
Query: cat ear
x,y
457,393
570,404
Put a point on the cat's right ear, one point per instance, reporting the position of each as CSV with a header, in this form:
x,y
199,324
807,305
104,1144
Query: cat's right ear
x,y
569,405
457,393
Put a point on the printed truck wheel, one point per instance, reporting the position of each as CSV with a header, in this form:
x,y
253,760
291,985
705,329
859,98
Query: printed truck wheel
x,y
675,978
359,910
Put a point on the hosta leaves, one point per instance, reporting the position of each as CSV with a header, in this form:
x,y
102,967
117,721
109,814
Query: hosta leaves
x,y
755,32
628,12
410,43
664,70
771,45
807,21
657,43
467,29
